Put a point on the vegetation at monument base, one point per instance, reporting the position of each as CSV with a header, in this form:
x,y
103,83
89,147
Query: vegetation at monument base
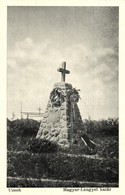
x,y
30,158
104,132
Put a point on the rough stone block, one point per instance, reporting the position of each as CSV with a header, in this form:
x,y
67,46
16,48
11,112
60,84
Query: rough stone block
x,y
45,132
61,123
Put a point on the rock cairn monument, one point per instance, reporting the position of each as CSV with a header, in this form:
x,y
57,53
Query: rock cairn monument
x,y
62,122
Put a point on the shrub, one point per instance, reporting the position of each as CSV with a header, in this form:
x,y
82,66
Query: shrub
x,y
23,127
102,127
41,146
109,149
77,149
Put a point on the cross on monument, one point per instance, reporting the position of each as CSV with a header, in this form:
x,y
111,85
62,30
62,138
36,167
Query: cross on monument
x,y
63,71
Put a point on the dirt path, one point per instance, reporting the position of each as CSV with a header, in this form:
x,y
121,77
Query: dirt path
x,y
83,155
64,154
81,183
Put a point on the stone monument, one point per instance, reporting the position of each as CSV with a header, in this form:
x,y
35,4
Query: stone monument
x,y
62,122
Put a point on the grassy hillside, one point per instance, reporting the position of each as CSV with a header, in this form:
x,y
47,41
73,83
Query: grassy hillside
x,y
49,162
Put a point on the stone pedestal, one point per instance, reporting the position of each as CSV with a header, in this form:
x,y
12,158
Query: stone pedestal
x,y
61,124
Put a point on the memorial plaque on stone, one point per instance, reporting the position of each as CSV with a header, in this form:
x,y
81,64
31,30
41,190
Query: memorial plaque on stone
x,y
54,116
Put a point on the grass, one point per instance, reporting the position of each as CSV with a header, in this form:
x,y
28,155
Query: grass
x,y
62,165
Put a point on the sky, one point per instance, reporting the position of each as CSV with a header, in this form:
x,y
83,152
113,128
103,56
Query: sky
x,y
40,38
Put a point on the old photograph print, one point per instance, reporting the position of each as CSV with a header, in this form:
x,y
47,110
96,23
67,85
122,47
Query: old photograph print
x,y
62,96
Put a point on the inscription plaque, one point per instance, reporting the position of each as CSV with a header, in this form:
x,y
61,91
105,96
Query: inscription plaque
x,y
54,117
